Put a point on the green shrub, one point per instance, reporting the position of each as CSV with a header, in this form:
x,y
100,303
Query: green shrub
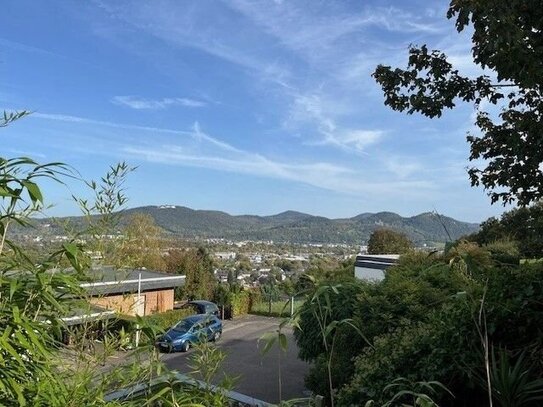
x,y
523,225
241,303
165,320
418,352
504,251
417,285
308,334
445,345
347,346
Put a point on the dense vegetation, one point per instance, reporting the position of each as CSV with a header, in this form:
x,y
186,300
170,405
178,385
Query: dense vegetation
x,y
36,368
197,266
470,319
521,229
386,241
433,318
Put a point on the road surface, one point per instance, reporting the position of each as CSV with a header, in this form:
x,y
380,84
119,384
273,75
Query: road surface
x,y
258,374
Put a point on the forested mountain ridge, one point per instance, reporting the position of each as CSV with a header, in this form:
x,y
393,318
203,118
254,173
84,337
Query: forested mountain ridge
x,y
297,227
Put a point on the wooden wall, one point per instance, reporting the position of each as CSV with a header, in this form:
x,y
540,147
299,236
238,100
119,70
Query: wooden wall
x,y
155,301
158,301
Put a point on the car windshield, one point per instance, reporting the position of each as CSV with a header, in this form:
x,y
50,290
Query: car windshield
x,y
182,326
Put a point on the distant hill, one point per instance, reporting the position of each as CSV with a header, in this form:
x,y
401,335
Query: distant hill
x,y
296,227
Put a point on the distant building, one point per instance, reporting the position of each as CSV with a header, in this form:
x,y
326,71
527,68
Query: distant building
x,y
371,267
225,255
221,275
293,257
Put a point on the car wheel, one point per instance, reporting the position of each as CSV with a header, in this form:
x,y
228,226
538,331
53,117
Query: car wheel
x,y
185,346
216,336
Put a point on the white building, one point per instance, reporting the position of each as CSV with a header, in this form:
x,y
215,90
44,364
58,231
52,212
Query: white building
x,y
371,267
225,255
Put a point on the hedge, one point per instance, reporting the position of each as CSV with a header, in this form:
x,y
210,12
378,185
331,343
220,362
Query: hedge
x,y
241,303
165,320
160,320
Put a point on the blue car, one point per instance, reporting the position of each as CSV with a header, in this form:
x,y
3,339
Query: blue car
x,y
189,331
202,307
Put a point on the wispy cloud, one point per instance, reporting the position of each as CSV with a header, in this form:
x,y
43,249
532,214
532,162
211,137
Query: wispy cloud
x,y
200,135
29,49
24,153
139,103
311,109
318,58
85,120
352,140
312,29
321,175
188,27
199,149
402,167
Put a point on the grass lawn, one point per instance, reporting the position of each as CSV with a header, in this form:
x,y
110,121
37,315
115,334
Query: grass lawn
x,y
278,308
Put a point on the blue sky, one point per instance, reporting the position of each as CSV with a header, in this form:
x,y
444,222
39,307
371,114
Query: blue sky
x,y
243,106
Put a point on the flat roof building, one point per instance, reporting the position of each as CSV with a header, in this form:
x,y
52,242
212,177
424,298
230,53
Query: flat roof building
x,y
371,267
117,290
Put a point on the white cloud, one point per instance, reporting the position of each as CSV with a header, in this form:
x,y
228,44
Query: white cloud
x,y
25,153
321,175
310,29
319,91
318,60
78,119
357,139
187,26
139,103
200,135
198,149
402,167
313,109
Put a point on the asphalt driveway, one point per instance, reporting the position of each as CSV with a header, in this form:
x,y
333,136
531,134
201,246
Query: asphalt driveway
x,y
258,374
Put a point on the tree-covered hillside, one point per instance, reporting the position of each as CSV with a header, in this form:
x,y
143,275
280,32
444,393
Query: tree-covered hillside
x,y
295,227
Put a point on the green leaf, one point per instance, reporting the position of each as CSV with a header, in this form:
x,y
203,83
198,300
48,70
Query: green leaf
x,y
16,314
33,190
158,395
329,328
12,288
283,343
71,248
5,192
269,338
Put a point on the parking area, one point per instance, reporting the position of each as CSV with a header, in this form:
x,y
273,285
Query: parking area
x,y
258,374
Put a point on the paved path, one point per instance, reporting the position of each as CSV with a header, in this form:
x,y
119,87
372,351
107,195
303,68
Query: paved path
x,y
259,374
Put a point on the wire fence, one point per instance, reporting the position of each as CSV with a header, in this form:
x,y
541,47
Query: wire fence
x,y
284,307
